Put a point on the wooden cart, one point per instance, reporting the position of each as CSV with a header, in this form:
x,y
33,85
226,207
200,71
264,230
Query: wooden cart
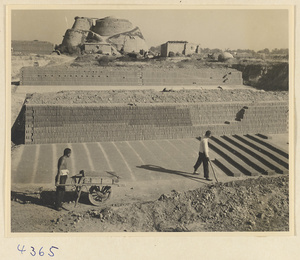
x,y
99,187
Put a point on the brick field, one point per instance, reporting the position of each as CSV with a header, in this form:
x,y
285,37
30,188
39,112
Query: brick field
x,y
153,161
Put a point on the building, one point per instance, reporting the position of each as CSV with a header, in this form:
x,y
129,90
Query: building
x,y
179,47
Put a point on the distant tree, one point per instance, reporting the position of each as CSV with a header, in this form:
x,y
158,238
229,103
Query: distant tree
x,y
205,50
266,51
280,51
216,50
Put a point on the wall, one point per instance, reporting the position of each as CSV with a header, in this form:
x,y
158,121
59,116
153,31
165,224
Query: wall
x,y
72,39
191,48
175,47
109,26
94,122
132,41
164,50
82,23
109,76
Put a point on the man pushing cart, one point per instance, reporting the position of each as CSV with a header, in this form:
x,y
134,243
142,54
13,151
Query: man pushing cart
x,y
98,186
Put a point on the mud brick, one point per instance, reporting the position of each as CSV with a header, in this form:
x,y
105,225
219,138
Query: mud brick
x,y
89,120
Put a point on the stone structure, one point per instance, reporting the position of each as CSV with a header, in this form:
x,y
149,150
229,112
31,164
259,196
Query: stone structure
x,y
108,76
181,47
37,47
120,34
93,122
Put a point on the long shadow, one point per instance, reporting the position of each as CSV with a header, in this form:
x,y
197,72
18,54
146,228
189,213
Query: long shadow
x,y
46,198
254,154
18,128
241,156
270,155
264,151
273,148
169,171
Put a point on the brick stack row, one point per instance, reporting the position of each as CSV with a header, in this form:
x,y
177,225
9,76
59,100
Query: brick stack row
x,y
108,76
92,122
38,47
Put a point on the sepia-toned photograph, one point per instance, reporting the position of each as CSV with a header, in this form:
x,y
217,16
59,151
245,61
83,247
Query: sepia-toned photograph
x,y
140,119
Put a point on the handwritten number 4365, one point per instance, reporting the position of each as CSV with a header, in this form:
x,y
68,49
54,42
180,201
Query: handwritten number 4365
x,y
41,252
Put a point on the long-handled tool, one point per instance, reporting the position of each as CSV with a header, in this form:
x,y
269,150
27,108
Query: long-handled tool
x,y
213,170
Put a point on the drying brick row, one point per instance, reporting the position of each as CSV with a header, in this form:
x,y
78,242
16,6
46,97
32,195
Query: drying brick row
x,y
91,123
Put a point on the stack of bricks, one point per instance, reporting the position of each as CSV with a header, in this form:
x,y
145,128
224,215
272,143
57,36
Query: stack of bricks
x,y
37,47
93,123
74,76
109,76
264,117
182,76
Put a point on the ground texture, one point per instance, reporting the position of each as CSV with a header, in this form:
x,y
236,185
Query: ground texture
x,y
152,96
255,204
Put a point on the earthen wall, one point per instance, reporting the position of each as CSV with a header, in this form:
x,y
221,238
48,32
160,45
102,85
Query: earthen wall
x,y
82,23
73,38
129,41
111,26
175,47
191,48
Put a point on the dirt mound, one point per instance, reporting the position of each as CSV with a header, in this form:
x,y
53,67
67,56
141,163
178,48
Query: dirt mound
x,y
277,78
249,205
151,96
255,204
267,76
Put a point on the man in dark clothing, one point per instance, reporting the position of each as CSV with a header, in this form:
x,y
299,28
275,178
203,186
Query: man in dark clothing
x,y
203,156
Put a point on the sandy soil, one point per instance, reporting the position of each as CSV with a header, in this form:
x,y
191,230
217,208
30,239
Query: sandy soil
x,y
255,204
152,96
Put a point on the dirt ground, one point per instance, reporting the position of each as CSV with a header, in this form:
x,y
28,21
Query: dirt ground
x,y
253,204
250,204
152,96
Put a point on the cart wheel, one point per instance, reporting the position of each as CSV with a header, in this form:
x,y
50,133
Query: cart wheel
x,y
97,194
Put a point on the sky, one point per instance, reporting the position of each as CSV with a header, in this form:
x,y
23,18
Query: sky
x,y
255,29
